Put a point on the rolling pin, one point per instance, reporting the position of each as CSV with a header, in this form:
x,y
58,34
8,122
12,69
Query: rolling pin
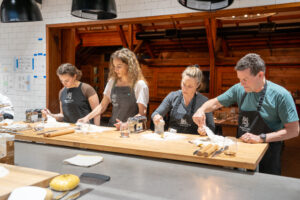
x,y
212,149
200,153
59,132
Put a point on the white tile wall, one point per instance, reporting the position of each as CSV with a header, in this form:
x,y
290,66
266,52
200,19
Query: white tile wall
x,y
20,40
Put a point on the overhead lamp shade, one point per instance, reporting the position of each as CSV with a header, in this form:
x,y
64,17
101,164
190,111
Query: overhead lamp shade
x,y
94,9
206,5
20,11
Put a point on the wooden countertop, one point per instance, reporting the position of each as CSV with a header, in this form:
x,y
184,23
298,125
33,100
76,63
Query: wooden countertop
x,y
248,155
21,176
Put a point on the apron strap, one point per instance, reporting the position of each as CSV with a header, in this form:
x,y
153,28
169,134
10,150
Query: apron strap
x,y
193,103
261,99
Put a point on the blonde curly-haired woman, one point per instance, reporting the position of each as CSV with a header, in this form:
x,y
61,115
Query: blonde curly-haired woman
x,y
126,89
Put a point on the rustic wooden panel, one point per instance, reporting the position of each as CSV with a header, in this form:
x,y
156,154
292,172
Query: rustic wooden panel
x,y
53,60
225,78
68,46
101,39
288,77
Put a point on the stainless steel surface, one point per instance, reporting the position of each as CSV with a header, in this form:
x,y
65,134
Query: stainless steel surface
x,y
134,177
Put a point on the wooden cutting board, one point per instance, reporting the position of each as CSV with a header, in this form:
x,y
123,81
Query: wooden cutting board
x,y
248,155
21,176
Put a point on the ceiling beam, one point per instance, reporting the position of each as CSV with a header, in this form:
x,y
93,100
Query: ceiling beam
x,y
122,36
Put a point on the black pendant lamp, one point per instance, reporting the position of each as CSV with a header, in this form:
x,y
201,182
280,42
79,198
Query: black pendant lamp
x,y
94,9
20,11
206,5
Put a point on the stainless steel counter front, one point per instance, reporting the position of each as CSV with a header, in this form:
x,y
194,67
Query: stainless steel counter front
x,y
134,177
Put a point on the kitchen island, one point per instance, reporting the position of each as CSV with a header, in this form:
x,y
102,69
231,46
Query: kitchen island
x,y
134,177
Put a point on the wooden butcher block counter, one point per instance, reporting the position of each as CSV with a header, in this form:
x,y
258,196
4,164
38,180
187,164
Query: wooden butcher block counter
x,y
248,155
21,176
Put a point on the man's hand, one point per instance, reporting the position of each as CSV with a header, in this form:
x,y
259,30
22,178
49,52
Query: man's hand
x,y
84,120
199,118
251,138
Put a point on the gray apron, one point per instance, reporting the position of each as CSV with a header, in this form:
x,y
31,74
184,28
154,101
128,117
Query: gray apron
x,y
124,104
183,123
252,122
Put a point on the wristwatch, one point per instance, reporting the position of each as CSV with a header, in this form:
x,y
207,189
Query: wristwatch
x,y
263,136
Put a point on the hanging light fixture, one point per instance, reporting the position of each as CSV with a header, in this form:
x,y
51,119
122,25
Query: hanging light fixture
x,y
20,11
94,9
206,5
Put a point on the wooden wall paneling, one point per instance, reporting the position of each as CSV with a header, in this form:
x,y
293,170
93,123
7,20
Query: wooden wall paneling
x,y
287,77
122,36
138,46
53,60
168,80
130,36
209,35
178,62
225,78
109,38
149,50
69,45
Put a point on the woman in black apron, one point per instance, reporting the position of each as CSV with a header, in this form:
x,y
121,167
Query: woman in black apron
x,y
126,89
181,105
77,99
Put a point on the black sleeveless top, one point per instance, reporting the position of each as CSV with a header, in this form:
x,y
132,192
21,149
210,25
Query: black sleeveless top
x,y
75,104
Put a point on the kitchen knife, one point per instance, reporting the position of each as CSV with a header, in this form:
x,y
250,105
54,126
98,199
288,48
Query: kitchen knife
x,y
78,194
219,151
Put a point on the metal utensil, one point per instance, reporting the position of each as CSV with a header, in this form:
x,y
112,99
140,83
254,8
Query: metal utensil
x,y
78,194
196,152
220,151
61,195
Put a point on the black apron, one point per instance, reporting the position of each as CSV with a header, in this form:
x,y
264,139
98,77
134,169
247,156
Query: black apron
x,y
74,104
252,122
124,104
183,123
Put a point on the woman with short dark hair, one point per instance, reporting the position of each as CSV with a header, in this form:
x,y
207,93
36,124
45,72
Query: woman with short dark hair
x,y
77,99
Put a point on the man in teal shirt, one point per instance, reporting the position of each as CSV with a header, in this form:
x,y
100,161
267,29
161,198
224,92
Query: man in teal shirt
x,y
267,110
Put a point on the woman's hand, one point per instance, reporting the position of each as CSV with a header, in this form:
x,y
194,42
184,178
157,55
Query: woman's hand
x,y
201,131
157,118
199,118
118,124
45,111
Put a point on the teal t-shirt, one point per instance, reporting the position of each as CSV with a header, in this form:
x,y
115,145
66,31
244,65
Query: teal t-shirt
x,y
278,107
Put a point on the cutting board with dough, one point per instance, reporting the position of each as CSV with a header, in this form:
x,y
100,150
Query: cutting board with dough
x,y
21,176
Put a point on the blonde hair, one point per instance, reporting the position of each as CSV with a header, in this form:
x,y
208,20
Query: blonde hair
x,y
69,69
129,58
195,72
